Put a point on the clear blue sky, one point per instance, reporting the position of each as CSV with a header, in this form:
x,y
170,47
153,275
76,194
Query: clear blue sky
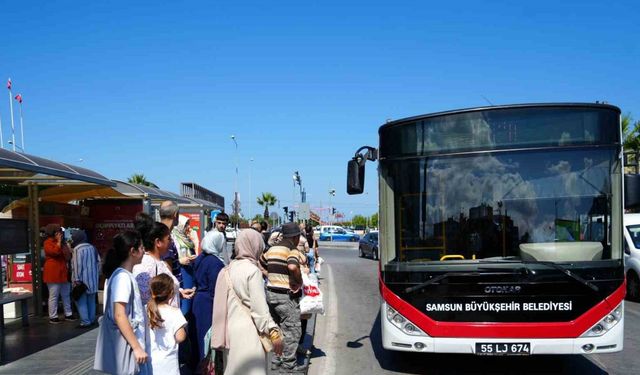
x,y
159,87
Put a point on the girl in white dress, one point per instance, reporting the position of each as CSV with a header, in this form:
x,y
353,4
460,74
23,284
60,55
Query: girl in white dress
x,y
167,326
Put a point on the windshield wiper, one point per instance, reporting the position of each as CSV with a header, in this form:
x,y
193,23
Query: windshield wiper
x,y
432,280
566,271
435,279
557,266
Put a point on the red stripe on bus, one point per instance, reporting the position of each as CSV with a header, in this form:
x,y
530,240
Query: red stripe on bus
x,y
571,329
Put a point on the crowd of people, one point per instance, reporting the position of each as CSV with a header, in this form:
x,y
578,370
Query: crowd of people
x,y
174,306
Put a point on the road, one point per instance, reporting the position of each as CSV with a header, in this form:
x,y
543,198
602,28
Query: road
x,y
347,338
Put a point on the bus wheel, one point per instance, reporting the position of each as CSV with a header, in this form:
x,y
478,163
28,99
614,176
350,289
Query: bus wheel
x,y
633,286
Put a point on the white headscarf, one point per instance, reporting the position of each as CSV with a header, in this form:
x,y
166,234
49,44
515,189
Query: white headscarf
x,y
213,243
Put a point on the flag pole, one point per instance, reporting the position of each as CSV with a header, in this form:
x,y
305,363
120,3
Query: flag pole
x,y
19,99
1,139
13,128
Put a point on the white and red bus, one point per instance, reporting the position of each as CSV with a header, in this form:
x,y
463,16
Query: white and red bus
x,y
501,230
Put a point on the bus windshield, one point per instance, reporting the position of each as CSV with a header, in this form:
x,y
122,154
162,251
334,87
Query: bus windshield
x,y
532,205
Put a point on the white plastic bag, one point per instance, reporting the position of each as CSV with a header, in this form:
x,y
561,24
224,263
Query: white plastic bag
x,y
318,265
311,302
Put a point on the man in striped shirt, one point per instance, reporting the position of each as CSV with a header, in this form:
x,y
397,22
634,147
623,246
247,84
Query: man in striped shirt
x,y
284,289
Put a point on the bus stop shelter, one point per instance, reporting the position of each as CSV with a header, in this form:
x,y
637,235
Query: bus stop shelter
x,y
126,199
34,172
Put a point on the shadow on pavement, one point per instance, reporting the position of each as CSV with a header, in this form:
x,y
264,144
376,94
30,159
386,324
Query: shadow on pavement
x,y
20,341
435,363
356,343
317,353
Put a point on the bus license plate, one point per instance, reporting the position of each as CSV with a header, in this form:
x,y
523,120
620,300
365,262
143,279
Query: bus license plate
x,y
503,348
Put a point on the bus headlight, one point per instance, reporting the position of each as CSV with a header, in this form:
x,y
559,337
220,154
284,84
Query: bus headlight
x,y
605,324
402,323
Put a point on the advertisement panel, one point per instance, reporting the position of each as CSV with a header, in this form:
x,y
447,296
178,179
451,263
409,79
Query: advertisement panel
x,y
21,272
110,217
195,225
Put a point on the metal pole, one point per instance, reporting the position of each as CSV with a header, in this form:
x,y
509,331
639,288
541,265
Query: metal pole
x,y
21,126
1,139
36,269
236,209
250,191
13,129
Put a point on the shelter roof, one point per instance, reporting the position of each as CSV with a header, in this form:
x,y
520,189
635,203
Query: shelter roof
x,y
21,169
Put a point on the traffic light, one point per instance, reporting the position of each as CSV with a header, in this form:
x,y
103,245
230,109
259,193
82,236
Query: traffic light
x,y
291,215
333,210
286,210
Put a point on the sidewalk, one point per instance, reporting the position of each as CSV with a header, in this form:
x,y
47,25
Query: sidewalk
x,y
73,346
75,356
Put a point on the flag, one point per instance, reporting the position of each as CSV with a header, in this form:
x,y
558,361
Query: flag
x,y
9,83
19,98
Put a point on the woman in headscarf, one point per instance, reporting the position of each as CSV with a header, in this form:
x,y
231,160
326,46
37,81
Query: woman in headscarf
x,y
242,313
186,254
85,264
206,268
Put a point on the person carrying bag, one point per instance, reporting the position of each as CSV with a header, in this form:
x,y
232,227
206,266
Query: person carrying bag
x,y
241,320
121,346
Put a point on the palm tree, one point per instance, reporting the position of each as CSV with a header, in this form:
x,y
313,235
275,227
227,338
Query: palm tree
x,y
140,179
630,133
267,200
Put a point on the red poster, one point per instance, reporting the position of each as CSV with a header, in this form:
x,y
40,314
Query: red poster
x,y
21,272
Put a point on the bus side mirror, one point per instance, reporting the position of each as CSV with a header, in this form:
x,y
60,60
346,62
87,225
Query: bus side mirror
x,y
355,176
631,191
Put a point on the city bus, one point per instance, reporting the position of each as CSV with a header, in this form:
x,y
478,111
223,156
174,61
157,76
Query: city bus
x,y
500,230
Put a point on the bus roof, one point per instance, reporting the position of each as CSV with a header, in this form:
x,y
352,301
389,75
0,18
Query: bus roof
x,y
498,107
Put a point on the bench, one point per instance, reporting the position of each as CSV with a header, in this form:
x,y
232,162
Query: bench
x,y
15,297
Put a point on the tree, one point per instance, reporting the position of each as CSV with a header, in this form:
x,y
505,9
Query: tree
x,y
140,179
359,220
630,133
373,221
266,200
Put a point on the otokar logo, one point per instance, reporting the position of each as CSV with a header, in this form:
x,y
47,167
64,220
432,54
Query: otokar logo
x,y
502,289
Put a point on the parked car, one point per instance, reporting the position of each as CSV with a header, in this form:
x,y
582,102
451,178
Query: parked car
x,y
632,255
335,233
231,233
368,245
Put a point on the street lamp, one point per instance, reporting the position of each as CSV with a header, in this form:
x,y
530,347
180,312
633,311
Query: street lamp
x,y
236,208
250,192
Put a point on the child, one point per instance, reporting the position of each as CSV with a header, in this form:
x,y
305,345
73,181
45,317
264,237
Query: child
x,y
167,326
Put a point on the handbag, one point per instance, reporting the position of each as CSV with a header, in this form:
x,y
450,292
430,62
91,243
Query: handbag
x,y
78,290
207,365
265,340
113,353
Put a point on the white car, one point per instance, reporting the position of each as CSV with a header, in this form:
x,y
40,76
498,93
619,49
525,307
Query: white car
x,y
632,255
231,233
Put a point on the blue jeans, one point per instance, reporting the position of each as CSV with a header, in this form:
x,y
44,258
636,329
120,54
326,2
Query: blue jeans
x,y
311,260
87,308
